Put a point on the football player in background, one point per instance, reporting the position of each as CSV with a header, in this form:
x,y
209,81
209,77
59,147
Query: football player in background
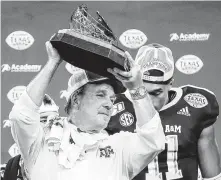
x,y
14,169
188,115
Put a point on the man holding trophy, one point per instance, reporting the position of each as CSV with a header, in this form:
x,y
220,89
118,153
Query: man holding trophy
x,y
83,150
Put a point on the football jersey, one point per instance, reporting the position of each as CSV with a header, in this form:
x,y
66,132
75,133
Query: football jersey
x,y
190,111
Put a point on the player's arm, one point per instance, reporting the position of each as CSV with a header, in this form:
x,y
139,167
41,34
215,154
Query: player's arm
x,y
209,155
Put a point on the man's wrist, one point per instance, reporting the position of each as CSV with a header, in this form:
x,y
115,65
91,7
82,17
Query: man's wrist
x,y
138,93
55,61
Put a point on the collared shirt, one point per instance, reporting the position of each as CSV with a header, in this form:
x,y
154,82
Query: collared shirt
x,y
117,157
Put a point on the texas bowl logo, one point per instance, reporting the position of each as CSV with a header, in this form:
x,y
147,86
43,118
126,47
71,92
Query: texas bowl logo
x,y
19,40
133,38
189,64
15,93
196,100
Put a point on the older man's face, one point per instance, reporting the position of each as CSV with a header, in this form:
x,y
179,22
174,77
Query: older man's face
x,y
95,107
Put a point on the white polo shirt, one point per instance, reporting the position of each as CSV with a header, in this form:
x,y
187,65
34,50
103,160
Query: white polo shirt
x,y
117,157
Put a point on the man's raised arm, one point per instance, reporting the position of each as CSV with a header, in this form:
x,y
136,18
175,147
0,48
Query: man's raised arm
x,y
37,87
142,147
26,129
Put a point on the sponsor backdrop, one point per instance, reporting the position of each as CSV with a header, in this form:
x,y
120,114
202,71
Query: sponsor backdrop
x,y
190,29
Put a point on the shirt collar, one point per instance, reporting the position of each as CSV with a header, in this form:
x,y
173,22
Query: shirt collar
x,y
70,145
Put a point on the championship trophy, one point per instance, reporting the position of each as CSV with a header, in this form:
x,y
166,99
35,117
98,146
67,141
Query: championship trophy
x,y
90,44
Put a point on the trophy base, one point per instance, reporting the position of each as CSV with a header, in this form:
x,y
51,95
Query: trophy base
x,y
89,53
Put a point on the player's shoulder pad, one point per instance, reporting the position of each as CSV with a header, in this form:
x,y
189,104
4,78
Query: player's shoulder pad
x,y
199,97
196,89
202,100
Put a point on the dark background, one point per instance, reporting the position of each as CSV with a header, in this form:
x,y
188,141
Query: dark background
x,y
156,19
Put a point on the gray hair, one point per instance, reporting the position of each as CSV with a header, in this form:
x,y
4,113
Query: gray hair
x,y
73,98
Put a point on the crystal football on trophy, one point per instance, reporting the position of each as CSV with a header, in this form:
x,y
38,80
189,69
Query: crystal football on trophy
x,y
89,44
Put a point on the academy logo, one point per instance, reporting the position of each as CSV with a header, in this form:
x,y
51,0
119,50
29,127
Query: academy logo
x,y
196,100
126,119
189,37
20,68
6,67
